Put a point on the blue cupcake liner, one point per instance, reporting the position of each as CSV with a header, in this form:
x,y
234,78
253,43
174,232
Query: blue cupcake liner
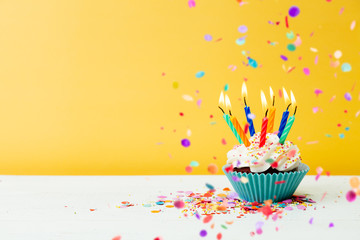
x,y
261,187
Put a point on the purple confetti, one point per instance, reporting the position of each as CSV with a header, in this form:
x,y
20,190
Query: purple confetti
x,y
199,102
208,37
283,57
185,142
348,96
311,220
331,225
203,233
242,29
294,11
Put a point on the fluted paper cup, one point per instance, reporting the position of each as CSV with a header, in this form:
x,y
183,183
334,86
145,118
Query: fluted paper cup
x,y
261,187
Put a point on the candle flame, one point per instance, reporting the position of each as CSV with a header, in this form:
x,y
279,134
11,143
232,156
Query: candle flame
x,y
244,90
293,101
263,100
221,99
227,102
271,93
286,96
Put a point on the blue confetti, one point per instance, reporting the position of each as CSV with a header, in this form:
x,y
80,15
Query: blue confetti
x,y
328,135
194,164
346,67
341,135
160,203
240,41
347,128
226,87
209,186
252,63
200,74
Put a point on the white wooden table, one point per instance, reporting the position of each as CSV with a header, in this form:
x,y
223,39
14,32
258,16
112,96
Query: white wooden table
x,y
58,207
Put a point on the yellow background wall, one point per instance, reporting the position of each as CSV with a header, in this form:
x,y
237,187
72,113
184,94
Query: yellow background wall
x,y
86,86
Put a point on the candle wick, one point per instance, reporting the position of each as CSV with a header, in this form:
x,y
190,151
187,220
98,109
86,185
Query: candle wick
x,y
221,109
230,112
273,100
295,110
266,112
288,106
245,101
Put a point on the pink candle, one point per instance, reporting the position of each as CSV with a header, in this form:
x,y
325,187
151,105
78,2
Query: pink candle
x,y
263,131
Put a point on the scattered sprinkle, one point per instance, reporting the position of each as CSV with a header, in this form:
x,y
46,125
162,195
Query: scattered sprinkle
x,y
200,74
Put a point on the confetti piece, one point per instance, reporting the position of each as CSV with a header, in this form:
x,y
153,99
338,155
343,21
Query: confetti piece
x,y
280,93
288,208
175,85
188,169
191,3
208,37
323,196
159,238
328,135
188,132
235,178
354,182
219,236
337,54
341,11
351,196
331,225
198,102
209,186
156,211
306,71
242,29
313,49
286,22
290,35
283,57
194,164
294,11
244,180
291,47
315,109
347,96
346,67
341,135
311,220
291,153
280,182
185,142
316,59
203,233
223,141
179,204
116,238
252,63
226,87
318,91
352,25
212,168
312,142
92,209
332,98
200,74
207,219
357,113
187,98
240,41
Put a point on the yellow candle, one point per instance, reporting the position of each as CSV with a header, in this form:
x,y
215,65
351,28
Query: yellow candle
x,y
240,131
272,110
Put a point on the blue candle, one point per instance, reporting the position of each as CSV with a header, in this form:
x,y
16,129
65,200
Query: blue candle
x,y
283,122
249,120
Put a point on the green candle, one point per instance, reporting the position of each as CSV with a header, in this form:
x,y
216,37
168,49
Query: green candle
x,y
228,121
287,129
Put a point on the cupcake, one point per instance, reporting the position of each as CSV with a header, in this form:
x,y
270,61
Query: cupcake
x,y
272,171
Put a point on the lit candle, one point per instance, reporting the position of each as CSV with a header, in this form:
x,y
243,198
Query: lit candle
x,y
285,114
264,121
227,117
271,112
290,121
247,110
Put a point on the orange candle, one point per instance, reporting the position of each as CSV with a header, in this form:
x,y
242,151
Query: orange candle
x,y
271,113
240,131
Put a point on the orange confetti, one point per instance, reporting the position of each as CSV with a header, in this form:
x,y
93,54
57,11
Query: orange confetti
x,y
92,209
226,189
169,206
354,182
156,211
207,218
212,168
229,222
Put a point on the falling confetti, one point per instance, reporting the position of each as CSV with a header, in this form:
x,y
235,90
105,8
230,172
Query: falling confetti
x,y
116,238
291,47
252,63
283,57
212,168
194,164
175,85
354,182
341,135
187,98
208,37
207,219
347,96
337,54
346,67
203,233
226,87
185,142
306,71
331,225
311,220
318,91
351,196
188,169
294,11
200,74
191,3
179,204
242,29
223,141
352,25
240,41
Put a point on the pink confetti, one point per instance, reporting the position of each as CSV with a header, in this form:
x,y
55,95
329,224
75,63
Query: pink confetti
x,y
341,11
199,102
315,109
312,142
323,196
280,182
332,98
331,225
116,238
352,25
288,208
191,3
188,169
306,71
223,141
351,196
316,59
357,113
301,207
179,204
318,91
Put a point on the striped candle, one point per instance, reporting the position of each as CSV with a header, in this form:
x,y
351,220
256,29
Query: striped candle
x,y
228,121
240,131
287,129
271,120
263,131
283,122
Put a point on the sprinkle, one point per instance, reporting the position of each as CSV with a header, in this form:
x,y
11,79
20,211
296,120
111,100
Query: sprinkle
x,y
207,219
323,196
331,225
200,74
212,168
280,182
346,67
244,180
191,3
294,11
312,142
252,63
208,37
185,142
306,71
179,204
194,163
209,186
316,59
242,29
347,96
352,25
156,211
283,57
188,169
351,196
203,233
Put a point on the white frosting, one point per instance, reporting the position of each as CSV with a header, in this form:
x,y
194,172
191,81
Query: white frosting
x,y
286,155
